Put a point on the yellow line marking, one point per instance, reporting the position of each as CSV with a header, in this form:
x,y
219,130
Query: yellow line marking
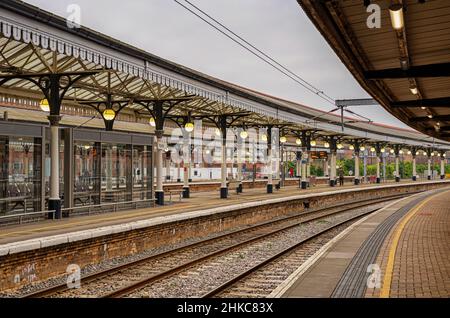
x,y
387,280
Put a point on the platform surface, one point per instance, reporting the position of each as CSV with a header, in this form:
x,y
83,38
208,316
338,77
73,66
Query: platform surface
x,y
198,201
420,262
415,259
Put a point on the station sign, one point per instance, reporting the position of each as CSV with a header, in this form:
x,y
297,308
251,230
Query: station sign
x,y
318,155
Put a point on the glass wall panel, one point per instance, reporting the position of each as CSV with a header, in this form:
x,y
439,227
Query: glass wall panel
x,y
116,172
141,172
86,178
20,179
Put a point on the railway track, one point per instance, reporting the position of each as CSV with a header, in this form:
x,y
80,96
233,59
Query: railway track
x,y
219,290
125,279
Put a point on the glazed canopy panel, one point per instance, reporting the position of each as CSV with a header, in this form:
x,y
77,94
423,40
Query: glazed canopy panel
x,y
33,41
418,55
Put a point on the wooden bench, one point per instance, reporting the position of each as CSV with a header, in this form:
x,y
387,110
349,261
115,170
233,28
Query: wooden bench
x,y
175,191
233,184
22,200
277,184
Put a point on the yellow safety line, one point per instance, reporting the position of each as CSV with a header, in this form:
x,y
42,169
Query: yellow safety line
x,y
387,280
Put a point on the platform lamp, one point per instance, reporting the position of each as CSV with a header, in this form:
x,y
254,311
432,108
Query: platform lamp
x,y
45,106
396,14
109,114
263,137
244,133
189,125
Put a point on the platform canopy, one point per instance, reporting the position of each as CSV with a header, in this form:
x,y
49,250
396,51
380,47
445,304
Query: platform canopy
x,y
36,42
406,68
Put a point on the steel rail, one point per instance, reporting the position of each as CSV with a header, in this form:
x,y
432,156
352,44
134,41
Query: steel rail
x,y
148,280
111,271
237,278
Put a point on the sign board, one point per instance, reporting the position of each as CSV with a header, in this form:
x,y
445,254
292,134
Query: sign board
x,y
318,155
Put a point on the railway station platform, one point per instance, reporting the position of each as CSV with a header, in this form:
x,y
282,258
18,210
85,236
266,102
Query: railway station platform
x,y
198,201
399,252
47,247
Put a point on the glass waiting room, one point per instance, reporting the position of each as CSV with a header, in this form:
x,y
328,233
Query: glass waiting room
x,y
99,170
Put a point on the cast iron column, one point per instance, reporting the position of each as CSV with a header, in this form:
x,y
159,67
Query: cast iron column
x,y
54,202
186,163
304,183
429,164
333,149
299,167
159,131
356,153
378,154
397,163
269,160
223,171
442,156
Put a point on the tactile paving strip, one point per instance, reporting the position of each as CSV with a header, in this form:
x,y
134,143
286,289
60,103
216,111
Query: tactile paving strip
x,y
353,282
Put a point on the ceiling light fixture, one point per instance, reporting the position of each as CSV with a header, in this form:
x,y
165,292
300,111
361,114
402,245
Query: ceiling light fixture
x,y
44,105
396,13
109,114
189,127
413,89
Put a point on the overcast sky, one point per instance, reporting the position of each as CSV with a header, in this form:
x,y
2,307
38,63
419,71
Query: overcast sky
x,y
279,28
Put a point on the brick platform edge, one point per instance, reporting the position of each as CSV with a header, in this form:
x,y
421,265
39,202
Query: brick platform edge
x,y
39,259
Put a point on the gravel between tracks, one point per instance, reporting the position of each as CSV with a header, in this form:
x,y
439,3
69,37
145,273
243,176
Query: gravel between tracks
x,y
198,280
113,282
